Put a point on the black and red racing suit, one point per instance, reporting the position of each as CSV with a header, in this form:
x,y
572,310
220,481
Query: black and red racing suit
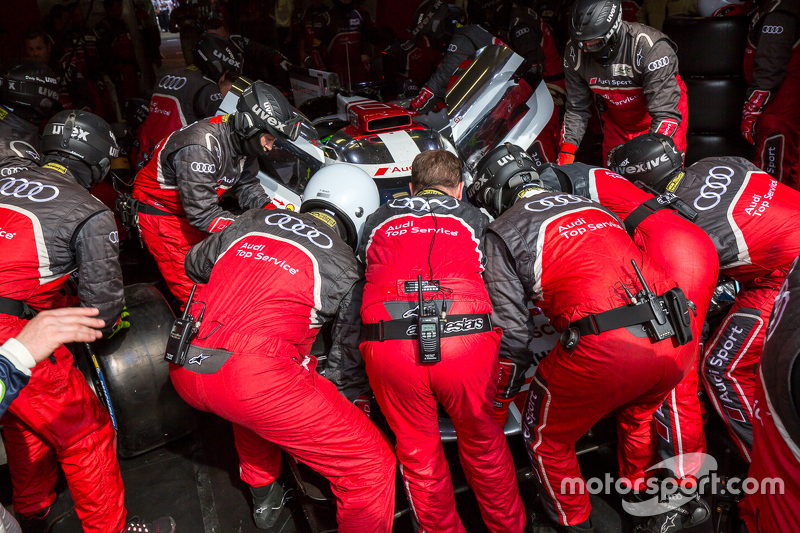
x,y
51,228
440,238
639,90
181,186
570,256
272,279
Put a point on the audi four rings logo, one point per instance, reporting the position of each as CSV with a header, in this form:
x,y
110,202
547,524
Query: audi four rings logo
x,y
560,200
32,190
216,97
715,186
114,237
301,229
658,63
774,30
415,203
172,83
203,168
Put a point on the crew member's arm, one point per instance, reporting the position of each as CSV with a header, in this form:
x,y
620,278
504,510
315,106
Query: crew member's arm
x,y
198,173
207,100
526,40
578,106
459,49
248,189
661,89
96,246
510,312
346,367
771,63
201,258
40,337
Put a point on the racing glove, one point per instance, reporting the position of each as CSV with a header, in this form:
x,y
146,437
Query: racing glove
x,y
566,154
752,110
422,98
122,323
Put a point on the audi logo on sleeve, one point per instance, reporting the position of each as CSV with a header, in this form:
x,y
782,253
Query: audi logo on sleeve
x,y
114,237
773,30
715,186
32,190
658,64
203,168
172,83
216,97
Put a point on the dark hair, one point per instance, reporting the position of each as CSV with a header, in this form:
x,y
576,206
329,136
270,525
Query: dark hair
x,y
435,168
37,33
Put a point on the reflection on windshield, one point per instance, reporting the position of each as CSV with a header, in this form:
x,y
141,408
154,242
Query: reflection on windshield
x,y
293,163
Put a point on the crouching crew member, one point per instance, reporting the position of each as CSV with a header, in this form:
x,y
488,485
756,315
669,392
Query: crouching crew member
x,y
776,430
424,259
688,255
51,228
754,224
273,278
573,259
179,189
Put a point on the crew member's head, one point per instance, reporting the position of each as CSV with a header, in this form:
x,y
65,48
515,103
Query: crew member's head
x,y
504,175
342,196
29,89
437,169
216,56
38,45
263,115
82,142
595,27
651,158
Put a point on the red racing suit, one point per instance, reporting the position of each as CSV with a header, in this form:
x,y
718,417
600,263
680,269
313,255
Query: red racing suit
x,y
178,99
532,38
569,256
440,238
754,224
772,68
273,278
182,184
53,227
687,254
776,431
638,91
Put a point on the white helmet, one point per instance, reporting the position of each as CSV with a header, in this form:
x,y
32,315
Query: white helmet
x,y
345,191
721,8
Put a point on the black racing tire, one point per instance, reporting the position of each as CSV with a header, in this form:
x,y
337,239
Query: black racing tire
x,y
715,104
148,411
708,46
699,146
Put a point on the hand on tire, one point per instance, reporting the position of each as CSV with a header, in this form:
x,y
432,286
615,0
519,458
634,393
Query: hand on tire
x,y
752,110
48,330
122,323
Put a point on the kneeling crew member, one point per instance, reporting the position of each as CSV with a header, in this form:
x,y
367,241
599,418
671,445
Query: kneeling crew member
x,y
53,228
179,189
272,279
754,222
571,257
435,238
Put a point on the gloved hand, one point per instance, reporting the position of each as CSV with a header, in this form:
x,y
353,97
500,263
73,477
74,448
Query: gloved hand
x,y
501,410
610,160
566,154
752,110
122,323
422,98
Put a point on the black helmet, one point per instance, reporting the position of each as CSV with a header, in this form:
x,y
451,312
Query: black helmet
x,y
438,19
263,109
651,158
77,135
30,88
503,174
596,19
215,55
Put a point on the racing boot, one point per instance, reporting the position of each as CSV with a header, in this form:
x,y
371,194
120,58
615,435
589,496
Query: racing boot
x,y
268,502
43,521
165,524
540,524
694,512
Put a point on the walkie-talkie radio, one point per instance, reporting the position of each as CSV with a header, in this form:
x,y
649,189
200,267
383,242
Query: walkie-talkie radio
x,y
659,328
428,331
180,336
